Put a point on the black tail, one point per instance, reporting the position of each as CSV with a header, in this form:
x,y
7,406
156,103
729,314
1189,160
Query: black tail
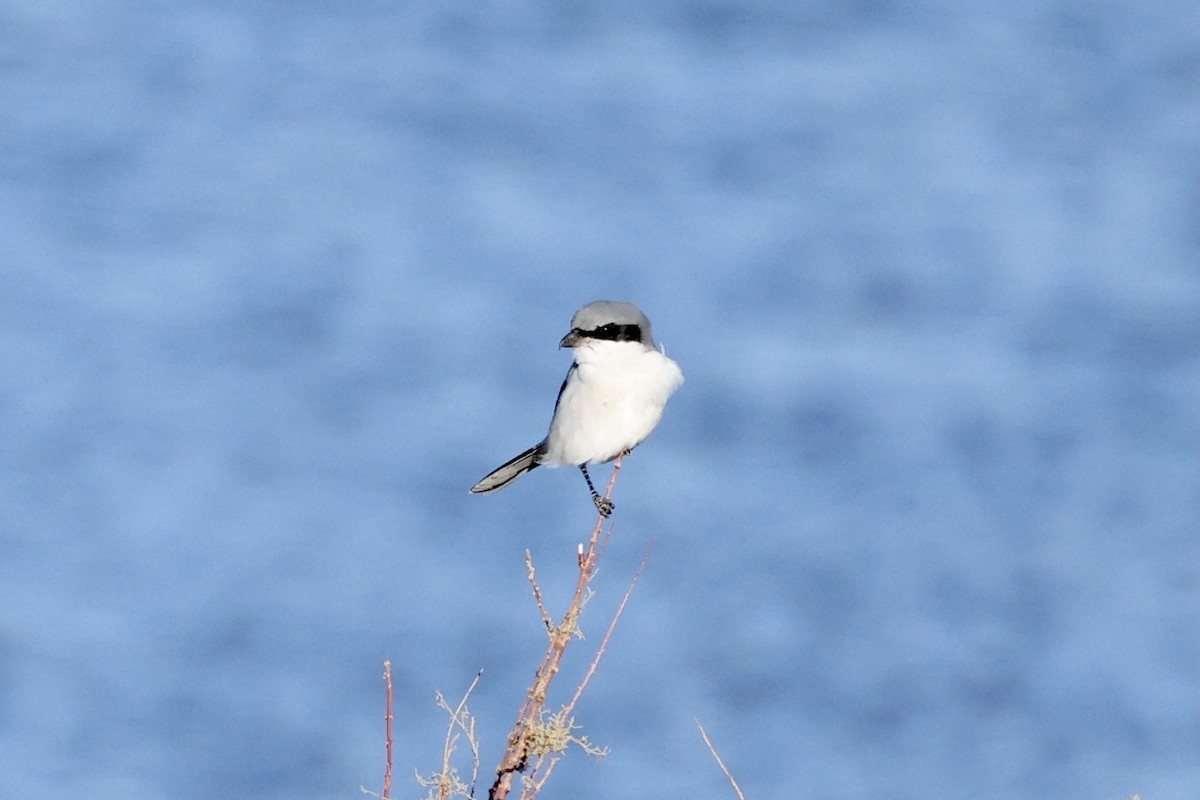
x,y
509,471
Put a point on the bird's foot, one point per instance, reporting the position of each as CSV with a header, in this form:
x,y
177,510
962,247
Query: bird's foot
x,y
603,505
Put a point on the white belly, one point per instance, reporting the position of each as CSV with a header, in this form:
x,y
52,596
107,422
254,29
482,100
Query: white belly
x,y
612,403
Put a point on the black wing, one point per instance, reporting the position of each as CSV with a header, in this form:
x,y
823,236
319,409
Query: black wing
x,y
563,388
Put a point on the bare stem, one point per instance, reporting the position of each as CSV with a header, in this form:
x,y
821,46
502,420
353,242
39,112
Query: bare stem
x,y
387,717
460,720
612,626
516,754
537,590
720,763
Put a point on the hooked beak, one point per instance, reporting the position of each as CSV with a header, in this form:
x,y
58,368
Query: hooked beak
x,y
571,339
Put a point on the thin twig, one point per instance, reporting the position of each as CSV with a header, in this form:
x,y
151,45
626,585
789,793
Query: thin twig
x,y
516,754
608,633
533,780
387,717
536,781
537,590
457,719
720,763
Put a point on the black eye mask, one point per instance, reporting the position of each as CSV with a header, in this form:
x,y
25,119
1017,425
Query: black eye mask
x,y
616,333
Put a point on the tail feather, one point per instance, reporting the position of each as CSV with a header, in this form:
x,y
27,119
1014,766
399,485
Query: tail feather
x,y
509,471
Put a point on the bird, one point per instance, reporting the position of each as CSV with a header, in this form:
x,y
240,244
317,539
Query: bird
x,y
611,399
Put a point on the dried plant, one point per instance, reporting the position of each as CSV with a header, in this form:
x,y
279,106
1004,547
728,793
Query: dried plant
x,y
720,763
447,783
540,737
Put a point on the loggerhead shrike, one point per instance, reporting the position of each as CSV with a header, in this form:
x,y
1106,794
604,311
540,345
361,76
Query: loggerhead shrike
x,y
610,401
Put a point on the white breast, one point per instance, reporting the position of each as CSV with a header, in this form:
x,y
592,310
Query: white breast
x,y
611,403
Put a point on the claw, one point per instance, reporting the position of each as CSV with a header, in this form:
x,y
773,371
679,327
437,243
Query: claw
x,y
603,505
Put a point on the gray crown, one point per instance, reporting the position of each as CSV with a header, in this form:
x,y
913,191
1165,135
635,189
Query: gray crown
x,y
603,312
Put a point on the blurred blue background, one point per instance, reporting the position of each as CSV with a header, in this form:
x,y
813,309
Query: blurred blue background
x,y
279,282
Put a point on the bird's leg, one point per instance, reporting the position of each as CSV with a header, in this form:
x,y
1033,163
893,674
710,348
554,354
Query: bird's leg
x,y
603,504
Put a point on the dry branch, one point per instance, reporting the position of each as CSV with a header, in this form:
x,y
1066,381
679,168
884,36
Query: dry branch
x,y
387,717
533,719
720,763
